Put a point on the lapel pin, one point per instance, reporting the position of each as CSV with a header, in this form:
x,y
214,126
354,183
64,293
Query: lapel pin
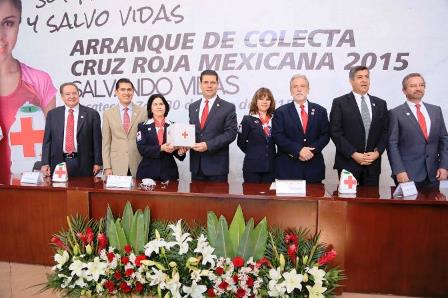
x,y
312,111
82,116
407,114
217,104
256,121
197,110
373,104
149,128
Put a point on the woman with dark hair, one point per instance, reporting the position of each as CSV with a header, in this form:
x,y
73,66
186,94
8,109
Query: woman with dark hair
x,y
158,156
23,90
254,138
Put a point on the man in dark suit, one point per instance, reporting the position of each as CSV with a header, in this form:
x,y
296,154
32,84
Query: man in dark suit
x,y
216,128
418,140
300,130
72,134
358,126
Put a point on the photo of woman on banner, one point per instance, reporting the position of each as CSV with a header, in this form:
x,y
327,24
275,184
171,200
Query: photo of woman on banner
x,y
255,140
26,95
158,156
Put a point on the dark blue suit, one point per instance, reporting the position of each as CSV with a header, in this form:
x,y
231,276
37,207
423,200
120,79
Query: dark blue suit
x,y
155,164
219,131
259,150
88,137
288,134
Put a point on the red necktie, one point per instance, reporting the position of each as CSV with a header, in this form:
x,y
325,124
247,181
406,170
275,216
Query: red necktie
x,y
304,116
126,120
265,124
204,114
422,122
70,132
161,126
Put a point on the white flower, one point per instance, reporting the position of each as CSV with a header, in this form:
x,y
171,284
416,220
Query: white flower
x,y
195,290
181,239
174,286
292,280
275,274
206,250
99,287
80,283
77,267
155,245
318,274
276,289
158,278
316,291
96,268
61,259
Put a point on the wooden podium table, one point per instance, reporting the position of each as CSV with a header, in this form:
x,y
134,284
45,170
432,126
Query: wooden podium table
x,y
385,245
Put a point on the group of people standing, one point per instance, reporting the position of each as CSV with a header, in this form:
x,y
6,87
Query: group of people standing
x,y
282,143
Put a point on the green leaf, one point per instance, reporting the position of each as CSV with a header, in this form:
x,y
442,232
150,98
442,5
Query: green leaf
x,y
109,217
258,239
212,228
237,228
137,235
224,247
112,234
147,221
122,241
127,219
244,249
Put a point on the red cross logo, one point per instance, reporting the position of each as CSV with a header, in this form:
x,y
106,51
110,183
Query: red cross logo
x,y
60,172
350,182
185,134
27,137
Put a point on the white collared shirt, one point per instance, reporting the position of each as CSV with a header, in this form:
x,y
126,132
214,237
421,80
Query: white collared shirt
x,y
424,112
299,110
75,115
269,124
211,101
367,100
122,107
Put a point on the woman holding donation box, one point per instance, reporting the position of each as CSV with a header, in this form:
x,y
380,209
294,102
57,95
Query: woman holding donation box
x,y
158,156
254,138
26,95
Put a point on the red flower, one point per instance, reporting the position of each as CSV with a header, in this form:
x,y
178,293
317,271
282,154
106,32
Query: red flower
x,y
109,285
235,278
219,270
124,260
291,238
102,241
125,288
263,261
211,292
327,257
129,272
138,287
250,282
238,262
117,275
82,237
240,293
58,242
292,252
138,260
110,256
223,285
89,235
127,249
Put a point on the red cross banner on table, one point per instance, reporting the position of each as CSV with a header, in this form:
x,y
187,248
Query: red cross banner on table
x,y
180,134
60,173
347,183
25,138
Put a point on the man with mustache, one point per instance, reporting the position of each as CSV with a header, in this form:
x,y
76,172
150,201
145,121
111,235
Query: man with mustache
x,y
418,140
300,130
358,126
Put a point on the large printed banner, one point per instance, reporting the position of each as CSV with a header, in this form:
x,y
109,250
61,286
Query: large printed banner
x,y
162,46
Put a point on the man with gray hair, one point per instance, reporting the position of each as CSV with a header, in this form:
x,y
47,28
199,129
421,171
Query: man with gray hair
x,y
301,131
418,140
358,125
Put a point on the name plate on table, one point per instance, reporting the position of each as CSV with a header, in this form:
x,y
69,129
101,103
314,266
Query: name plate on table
x,y
31,177
443,184
119,181
181,135
290,187
405,189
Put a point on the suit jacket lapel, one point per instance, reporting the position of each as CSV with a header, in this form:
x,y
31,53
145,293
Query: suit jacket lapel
x,y
408,113
81,118
432,116
311,117
135,110
352,105
295,117
214,109
61,128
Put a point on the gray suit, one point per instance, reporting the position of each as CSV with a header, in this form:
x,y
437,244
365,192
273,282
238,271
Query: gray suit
x,y
408,149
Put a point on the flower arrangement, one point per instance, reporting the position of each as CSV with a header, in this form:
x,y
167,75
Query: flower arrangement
x,y
131,255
